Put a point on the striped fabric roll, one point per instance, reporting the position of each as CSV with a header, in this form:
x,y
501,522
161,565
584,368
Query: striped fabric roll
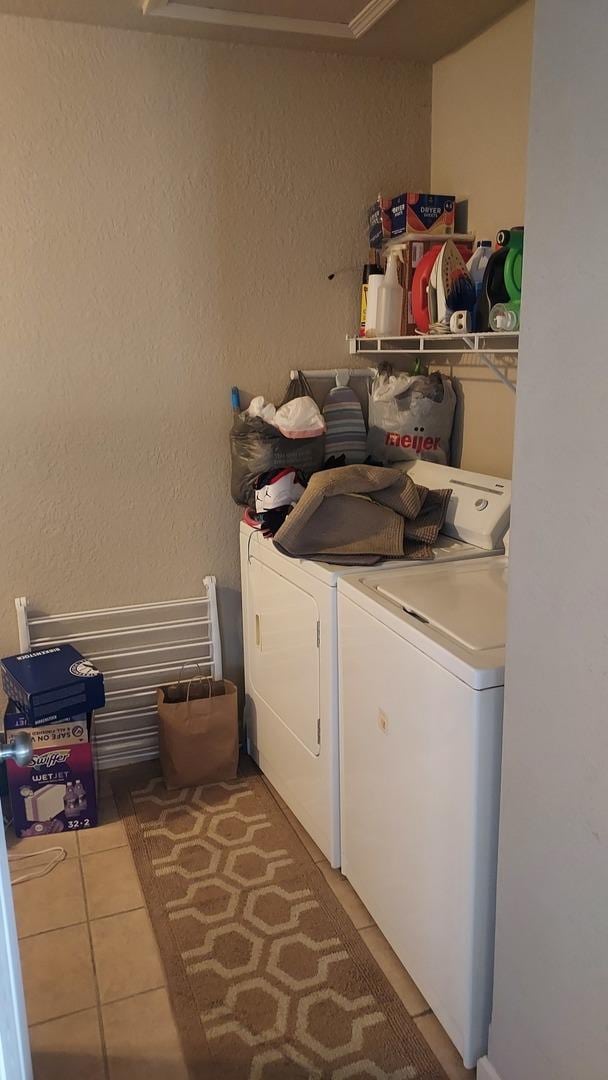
x,y
346,432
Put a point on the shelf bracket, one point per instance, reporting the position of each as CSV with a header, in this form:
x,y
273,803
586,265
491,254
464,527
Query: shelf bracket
x,y
472,343
485,358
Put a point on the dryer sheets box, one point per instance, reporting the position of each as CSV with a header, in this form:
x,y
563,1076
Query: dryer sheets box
x,y
421,212
52,684
56,792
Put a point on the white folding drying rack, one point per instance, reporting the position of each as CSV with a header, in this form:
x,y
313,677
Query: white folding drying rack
x,y
137,648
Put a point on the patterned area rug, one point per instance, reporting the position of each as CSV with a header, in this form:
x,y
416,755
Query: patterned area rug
x,y
269,979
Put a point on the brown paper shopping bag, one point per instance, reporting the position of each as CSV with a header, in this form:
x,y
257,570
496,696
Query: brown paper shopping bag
x,y
198,727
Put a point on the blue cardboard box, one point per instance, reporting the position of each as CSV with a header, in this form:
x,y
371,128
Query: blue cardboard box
x,y
379,220
52,684
15,718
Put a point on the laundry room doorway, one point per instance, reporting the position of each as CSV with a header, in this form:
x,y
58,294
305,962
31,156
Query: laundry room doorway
x,y
15,1059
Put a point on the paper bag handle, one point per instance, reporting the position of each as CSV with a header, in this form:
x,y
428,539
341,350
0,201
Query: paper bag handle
x,y
203,678
191,663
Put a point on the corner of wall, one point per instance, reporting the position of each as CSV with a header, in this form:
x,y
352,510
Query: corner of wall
x,y
486,1071
479,141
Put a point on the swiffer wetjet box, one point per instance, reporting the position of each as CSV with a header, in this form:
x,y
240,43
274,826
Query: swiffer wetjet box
x,y
55,793
52,684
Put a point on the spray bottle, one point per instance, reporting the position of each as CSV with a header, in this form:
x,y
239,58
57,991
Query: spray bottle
x,y
390,302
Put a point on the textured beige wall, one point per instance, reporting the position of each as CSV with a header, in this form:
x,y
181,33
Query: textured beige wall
x,y
479,147
169,212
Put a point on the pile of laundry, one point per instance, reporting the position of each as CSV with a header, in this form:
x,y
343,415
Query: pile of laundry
x,y
361,514
326,488
354,514
266,440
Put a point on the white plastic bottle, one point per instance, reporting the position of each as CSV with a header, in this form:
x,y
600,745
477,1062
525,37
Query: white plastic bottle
x,y
376,278
390,301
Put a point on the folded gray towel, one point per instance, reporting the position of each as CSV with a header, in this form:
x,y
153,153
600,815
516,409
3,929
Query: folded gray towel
x,y
361,514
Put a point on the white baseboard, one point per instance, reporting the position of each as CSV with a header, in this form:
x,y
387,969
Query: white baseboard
x,y
485,1070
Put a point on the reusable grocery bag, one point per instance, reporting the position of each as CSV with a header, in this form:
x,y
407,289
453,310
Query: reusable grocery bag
x,y
257,447
410,416
198,730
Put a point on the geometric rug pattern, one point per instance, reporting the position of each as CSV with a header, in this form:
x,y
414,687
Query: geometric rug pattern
x,y
265,963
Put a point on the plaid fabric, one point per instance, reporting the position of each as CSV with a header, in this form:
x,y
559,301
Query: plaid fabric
x,y
346,433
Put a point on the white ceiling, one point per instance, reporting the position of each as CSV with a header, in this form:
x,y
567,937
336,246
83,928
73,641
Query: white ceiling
x,y
412,29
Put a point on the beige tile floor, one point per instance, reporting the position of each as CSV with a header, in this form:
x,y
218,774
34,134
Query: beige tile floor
x,y
94,984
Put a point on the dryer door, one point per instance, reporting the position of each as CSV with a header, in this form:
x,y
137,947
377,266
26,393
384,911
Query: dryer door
x,y
284,651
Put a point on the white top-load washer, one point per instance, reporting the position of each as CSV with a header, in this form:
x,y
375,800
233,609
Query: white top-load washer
x,y
421,697
291,647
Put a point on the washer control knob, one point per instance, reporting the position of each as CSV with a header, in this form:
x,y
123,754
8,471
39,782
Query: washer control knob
x,y
481,504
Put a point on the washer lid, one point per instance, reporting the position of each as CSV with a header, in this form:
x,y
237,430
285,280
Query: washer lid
x,y
470,608
454,612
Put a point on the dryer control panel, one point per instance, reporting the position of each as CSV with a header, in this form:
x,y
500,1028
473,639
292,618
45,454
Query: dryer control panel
x,y
480,506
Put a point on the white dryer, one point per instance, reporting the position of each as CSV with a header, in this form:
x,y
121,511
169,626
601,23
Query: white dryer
x,y
421,697
291,646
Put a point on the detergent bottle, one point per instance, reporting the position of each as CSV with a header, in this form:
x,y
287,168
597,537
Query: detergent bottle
x,y
477,267
478,262
390,301
493,287
504,315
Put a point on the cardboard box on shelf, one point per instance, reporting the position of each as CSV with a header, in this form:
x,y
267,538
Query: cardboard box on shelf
x,y
52,684
56,792
379,220
419,212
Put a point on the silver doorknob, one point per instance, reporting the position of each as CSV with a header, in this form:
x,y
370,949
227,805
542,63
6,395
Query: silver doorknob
x,y
19,749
